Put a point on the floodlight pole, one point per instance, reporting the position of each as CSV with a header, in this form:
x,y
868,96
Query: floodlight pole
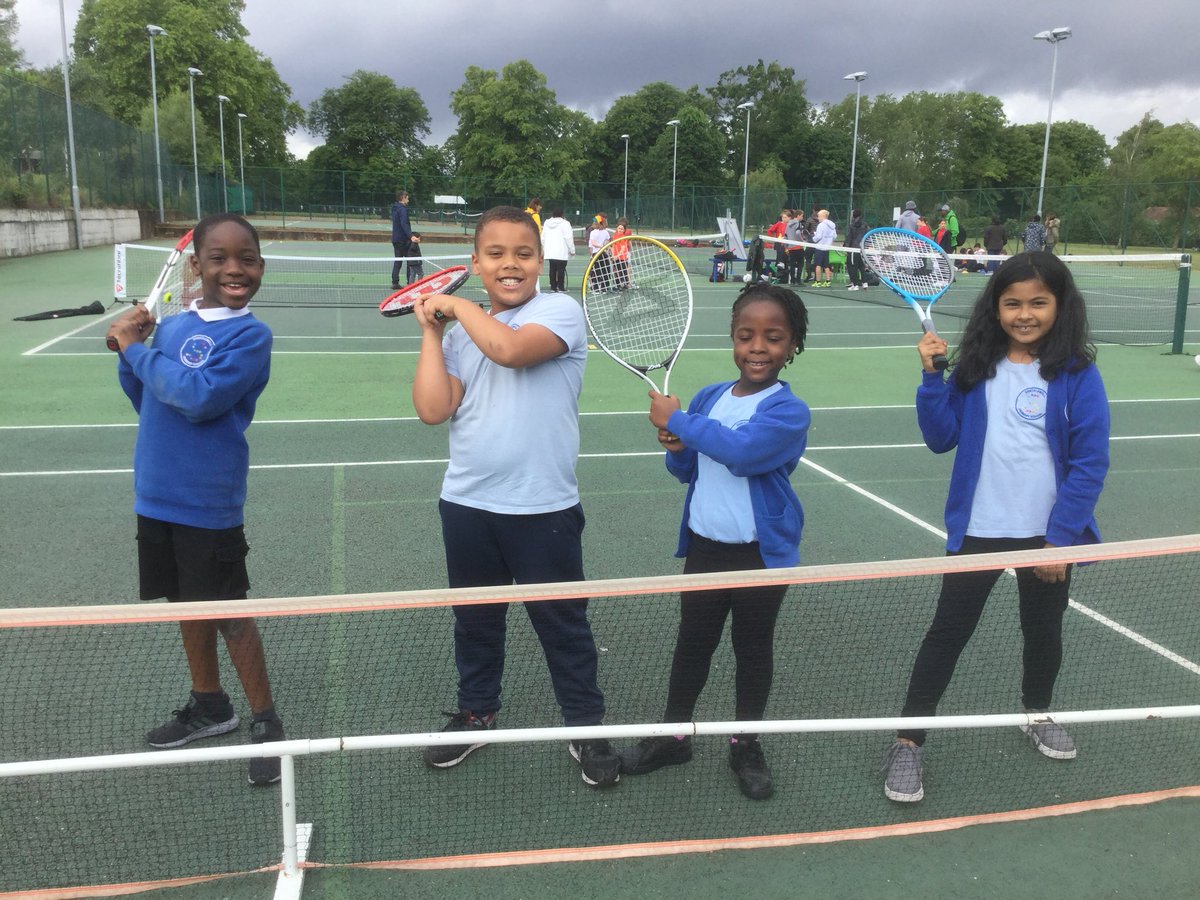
x,y
192,73
674,168
747,106
155,31
1054,36
625,201
66,64
221,101
858,78
242,163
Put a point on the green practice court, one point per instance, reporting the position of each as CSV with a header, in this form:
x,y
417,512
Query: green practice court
x,y
343,491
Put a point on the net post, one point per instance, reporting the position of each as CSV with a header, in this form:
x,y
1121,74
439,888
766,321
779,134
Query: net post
x,y
287,802
1181,302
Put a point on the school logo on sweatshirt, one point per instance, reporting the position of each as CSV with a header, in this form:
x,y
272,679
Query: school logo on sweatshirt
x,y
196,350
1031,403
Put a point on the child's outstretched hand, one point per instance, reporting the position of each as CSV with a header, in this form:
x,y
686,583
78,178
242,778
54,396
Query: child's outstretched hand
x,y
661,407
131,328
930,346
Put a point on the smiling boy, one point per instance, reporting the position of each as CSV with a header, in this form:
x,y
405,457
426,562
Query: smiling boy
x,y
508,380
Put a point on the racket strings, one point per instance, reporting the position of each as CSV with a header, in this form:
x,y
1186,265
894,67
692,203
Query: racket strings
x,y
639,308
908,264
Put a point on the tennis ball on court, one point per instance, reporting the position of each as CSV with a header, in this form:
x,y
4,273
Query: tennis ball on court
x,y
747,278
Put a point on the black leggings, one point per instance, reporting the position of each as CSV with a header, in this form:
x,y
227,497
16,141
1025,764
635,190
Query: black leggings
x,y
702,620
959,607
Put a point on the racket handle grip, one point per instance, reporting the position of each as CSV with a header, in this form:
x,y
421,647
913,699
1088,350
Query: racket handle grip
x,y
111,344
940,362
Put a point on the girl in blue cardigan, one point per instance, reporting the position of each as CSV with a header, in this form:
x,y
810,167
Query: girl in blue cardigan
x,y
735,449
1026,410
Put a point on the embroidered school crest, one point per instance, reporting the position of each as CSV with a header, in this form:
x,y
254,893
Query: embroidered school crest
x,y
1031,403
196,350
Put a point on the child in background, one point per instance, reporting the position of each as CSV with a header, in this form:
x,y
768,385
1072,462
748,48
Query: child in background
x,y
620,254
195,391
416,265
735,449
597,238
1026,408
823,237
509,380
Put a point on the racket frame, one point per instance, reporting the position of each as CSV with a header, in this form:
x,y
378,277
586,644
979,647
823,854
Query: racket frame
x,y
421,288
926,248
668,364
157,293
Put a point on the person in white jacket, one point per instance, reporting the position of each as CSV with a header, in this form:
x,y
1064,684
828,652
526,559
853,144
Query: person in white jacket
x,y
558,246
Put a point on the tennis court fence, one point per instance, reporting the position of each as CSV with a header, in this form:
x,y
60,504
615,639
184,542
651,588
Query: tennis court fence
x,y
361,682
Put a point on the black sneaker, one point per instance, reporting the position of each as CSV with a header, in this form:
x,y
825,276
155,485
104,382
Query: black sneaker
x,y
443,756
601,765
266,728
653,753
753,774
205,715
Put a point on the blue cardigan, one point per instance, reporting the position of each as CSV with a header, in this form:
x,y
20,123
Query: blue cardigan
x,y
195,392
1077,424
764,451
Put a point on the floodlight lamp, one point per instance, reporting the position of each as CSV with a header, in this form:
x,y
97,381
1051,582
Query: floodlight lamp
x,y
749,104
1054,35
624,137
242,115
155,31
194,72
221,98
673,122
855,76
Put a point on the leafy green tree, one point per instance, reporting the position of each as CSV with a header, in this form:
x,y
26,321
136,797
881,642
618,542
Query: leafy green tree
x,y
1078,154
112,67
11,56
370,118
514,136
700,157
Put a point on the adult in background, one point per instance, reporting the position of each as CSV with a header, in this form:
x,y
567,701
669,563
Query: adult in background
x,y
558,246
910,217
401,234
823,236
994,239
1053,224
1034,236
794,231
951,218
853,240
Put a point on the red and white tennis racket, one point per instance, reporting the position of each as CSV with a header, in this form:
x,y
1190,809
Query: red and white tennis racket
x,y
446,281
173,291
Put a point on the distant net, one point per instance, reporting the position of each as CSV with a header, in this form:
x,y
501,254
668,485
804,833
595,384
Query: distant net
x,y
1131,299
300,281
77,682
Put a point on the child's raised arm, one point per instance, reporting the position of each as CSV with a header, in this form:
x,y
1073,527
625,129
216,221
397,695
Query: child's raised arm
x,y
436,394
514,349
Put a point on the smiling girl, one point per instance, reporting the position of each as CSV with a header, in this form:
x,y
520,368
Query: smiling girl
x,y
1026,410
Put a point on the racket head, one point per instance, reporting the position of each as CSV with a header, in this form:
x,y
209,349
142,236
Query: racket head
x,y
637,299
910,264
447,281
177,285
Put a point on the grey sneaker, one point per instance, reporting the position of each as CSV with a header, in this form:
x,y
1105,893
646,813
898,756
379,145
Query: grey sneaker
x,y
264,729
601,765
202,716
1050,738
903,766
443,756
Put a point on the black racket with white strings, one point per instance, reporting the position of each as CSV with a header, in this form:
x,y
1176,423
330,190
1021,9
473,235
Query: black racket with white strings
x,y
174,290
446,281
914,267
638,302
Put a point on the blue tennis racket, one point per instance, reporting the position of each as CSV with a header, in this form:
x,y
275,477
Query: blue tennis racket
x,y
914,267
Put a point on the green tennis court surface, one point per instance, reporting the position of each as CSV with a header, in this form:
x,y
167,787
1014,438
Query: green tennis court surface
x,y
342,499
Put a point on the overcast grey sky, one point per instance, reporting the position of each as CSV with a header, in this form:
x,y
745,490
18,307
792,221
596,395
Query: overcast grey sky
x,y
1122,60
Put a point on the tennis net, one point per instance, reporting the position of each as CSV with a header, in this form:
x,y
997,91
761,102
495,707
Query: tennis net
x,y
360,681
1136,299
301,281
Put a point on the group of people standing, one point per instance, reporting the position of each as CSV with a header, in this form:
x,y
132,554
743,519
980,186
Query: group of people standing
x,y
798,264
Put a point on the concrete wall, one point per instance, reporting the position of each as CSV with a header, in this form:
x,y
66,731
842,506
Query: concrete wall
x,y
24,232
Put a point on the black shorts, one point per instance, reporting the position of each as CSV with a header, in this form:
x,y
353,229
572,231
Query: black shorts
x,y
821,258
181,562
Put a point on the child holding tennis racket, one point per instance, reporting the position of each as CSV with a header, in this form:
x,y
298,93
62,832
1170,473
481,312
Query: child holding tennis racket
x,y
1026,409
195,392
509,380
735,449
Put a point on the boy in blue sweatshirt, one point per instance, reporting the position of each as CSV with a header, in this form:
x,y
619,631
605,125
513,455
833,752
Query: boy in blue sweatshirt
x,y
195,391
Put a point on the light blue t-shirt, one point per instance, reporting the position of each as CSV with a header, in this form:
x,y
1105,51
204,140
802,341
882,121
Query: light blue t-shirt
x,y
514,440
1016,489
721,508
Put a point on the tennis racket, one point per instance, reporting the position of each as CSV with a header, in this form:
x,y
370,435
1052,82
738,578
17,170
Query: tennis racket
x,y
637,299
914,267
446,281
172,292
